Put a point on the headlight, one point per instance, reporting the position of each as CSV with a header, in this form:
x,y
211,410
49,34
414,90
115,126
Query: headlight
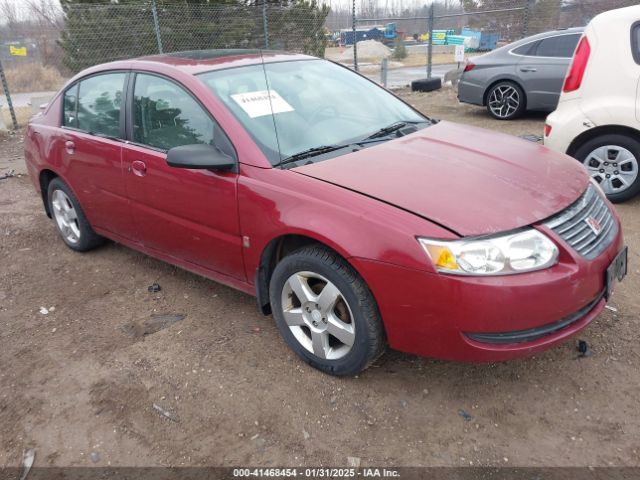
x,y
515,253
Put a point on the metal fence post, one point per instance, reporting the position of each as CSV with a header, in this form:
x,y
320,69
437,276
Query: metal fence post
x,y
430,46
384,68
525,18
156,25
5,87
265,24
353,28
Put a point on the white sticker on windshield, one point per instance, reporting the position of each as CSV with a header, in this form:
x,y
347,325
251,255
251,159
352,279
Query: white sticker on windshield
x,y
258,104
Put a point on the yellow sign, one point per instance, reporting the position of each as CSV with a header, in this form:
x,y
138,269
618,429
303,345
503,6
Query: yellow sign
x,y
18,51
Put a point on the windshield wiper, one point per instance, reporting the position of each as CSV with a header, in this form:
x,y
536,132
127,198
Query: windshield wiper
x,y
394,127
312,152
315,151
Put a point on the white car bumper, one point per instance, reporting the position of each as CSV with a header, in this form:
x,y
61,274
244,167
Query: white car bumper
x,y
567,122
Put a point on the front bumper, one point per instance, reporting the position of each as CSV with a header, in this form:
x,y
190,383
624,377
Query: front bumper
x,y
445,316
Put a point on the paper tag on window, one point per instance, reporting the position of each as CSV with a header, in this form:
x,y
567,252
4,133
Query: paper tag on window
x,y
258,104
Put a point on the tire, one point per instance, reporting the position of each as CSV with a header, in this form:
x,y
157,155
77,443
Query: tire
x,y
503,108
69,218
351,313
426,85
617,156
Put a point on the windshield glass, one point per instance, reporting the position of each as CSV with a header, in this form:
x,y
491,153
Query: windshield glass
x,y
291,107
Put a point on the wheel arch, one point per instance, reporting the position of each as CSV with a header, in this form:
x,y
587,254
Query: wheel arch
x,y
275,251
45,177
499,80
598,131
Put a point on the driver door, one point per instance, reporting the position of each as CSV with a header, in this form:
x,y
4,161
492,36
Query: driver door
x,y
189,215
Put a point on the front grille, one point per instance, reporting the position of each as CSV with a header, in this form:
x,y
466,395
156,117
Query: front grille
x,y
572,224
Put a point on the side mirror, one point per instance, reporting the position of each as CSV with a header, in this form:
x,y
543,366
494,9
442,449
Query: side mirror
x,y
200,156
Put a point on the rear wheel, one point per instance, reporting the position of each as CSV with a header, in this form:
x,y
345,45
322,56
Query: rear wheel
x,y
505,101
612,160
325,311
70,220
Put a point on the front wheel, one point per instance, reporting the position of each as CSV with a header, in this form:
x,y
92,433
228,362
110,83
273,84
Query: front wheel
x,y
505,101
612,161
325,311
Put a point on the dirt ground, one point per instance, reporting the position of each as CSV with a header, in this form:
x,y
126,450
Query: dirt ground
x,y
79,383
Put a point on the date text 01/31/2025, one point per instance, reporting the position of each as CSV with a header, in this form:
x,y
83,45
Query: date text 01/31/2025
x,y
316,472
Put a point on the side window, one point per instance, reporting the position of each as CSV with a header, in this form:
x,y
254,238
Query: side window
x,y
526,49
166,116
99,103
70,107
561,46
635,42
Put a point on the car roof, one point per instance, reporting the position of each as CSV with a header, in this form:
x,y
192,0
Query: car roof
x,y
504,50
550,33
198,61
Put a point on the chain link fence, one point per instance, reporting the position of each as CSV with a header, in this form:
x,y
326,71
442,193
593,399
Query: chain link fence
x,y
385,39
42,43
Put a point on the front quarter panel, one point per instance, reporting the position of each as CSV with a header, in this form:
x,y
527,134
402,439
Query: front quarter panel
x,y
275,202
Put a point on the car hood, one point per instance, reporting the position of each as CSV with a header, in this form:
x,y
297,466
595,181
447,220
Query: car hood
x,y
469,180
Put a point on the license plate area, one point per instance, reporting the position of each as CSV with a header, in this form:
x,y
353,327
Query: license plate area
x,y
616,271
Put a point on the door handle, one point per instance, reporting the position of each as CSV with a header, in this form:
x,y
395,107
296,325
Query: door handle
x,y
528,69
138,168
70,147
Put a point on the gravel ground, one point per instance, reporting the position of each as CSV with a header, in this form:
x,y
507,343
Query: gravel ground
x,y
79,383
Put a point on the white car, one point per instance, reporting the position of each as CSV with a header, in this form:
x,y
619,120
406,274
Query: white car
x,y
598,116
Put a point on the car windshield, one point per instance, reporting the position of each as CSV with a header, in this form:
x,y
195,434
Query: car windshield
x,y
303,108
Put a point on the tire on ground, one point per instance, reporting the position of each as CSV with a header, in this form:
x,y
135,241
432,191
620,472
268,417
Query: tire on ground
x,y
88,239
370,341
426,85
618,140
521,100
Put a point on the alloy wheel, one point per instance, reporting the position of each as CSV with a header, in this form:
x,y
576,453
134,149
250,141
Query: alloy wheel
x,y
615,168
504,101
66,216
318,315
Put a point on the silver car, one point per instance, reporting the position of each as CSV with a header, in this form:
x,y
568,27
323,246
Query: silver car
x,y
524,75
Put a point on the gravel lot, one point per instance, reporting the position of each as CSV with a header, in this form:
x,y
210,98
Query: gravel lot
x,y
79,383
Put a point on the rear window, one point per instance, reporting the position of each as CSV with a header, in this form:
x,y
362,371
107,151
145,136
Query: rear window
x,y
561,46
635,42
526,49
98,104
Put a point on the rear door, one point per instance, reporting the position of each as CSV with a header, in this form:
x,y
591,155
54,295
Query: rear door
x,y
189,215
91,145
543,69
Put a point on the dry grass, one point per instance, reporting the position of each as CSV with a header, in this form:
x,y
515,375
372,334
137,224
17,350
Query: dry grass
x,y
23,114
33,77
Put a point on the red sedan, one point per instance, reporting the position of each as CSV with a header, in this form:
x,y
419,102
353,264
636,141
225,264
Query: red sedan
x,y
354,219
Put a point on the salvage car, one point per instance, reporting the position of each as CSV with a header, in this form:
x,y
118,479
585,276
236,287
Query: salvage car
x,y
526,75
598,118
357,221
